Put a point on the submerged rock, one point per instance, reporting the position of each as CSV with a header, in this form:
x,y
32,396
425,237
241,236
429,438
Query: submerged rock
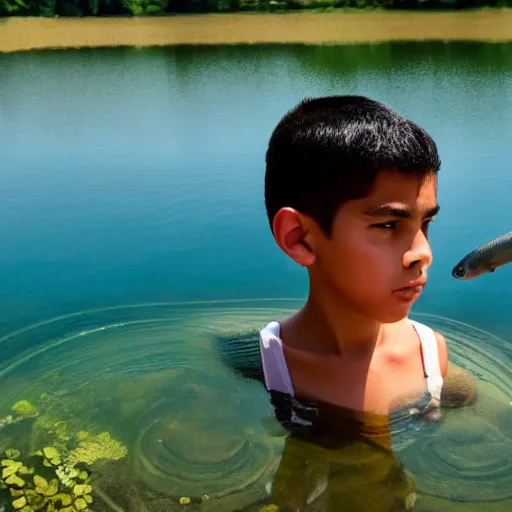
x,y
459,389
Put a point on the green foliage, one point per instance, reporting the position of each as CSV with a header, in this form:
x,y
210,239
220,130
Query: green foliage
x,y
12,7
145,7
24,409
155,7
32,492
91,449
55,476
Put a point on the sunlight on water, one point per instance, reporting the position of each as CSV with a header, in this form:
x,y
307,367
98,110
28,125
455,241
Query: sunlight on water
x,y
160,379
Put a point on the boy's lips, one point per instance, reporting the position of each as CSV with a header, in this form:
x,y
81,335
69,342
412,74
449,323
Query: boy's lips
x,y
411,291
419,283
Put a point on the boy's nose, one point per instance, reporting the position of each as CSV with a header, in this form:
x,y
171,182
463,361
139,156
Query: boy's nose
x,y
419,253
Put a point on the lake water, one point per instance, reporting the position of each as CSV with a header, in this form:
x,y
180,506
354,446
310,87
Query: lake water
x,y
134,237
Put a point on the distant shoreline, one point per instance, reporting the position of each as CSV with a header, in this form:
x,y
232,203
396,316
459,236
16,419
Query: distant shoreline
x,y
337,27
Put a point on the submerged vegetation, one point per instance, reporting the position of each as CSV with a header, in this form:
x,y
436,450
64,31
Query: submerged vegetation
x,y
184,429
126,444
52,471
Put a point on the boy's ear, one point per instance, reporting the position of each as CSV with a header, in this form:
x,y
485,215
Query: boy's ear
x,y
291,234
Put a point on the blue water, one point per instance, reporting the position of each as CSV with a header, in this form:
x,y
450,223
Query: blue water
x,y
135,177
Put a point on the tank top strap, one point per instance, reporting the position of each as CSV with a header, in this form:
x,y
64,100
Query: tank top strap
x,y
430,356
275,370
277,377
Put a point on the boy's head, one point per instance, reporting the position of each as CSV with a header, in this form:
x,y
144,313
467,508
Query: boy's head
x,y
329,162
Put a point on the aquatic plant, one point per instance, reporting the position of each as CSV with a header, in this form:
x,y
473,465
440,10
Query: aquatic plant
x,y
58,475
24,409
32,492
94,448
269,508
21,410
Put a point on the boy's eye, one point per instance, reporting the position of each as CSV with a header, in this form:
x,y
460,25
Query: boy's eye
x,y
392,224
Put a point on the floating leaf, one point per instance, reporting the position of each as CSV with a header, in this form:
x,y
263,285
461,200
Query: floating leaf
x,y
19,503
56,461
27,509
65,499
24,470
15,480
88,498
40,482
36,501
9,462
80,504
11,469
17,492
52,489
12,453
47,463
50,452
80,490
68,509
83,475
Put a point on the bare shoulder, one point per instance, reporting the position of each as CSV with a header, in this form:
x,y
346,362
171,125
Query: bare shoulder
x,y
443,353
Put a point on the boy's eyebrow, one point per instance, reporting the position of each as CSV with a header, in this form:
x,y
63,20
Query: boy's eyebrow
x,y
388,210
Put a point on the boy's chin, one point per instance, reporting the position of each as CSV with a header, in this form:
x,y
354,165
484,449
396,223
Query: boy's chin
x,y
393,315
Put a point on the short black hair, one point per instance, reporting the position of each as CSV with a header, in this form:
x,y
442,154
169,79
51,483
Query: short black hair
x,y
329,150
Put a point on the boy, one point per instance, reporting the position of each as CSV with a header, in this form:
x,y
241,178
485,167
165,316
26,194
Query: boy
x,y
350,191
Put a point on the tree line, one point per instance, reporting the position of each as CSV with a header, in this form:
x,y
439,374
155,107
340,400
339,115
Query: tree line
x,y
50,8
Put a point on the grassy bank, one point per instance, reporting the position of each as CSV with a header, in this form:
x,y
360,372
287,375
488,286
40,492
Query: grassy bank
x,y
312,28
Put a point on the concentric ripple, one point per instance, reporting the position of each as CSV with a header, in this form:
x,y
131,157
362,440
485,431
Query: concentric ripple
x,y
153,376
198,444
128,340
469,457
485,355
162,378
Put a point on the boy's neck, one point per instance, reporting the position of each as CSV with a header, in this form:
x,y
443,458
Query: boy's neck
x,y
334,326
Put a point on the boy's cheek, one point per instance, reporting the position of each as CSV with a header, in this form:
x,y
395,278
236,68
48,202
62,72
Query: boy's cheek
x,y
365,269
362,278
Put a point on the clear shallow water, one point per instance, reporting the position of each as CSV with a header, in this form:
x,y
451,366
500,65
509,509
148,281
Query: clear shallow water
x,y
159,378
134,177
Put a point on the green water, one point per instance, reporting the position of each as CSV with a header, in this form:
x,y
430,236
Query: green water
x,y
136,257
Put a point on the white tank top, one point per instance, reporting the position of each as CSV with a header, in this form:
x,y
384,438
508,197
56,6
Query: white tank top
x,y
277,376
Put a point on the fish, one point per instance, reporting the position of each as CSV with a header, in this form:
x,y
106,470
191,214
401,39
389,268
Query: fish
x,y
485,258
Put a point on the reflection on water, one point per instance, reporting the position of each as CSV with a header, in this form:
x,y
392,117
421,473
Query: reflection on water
x,y
135,176
179,386
351,475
